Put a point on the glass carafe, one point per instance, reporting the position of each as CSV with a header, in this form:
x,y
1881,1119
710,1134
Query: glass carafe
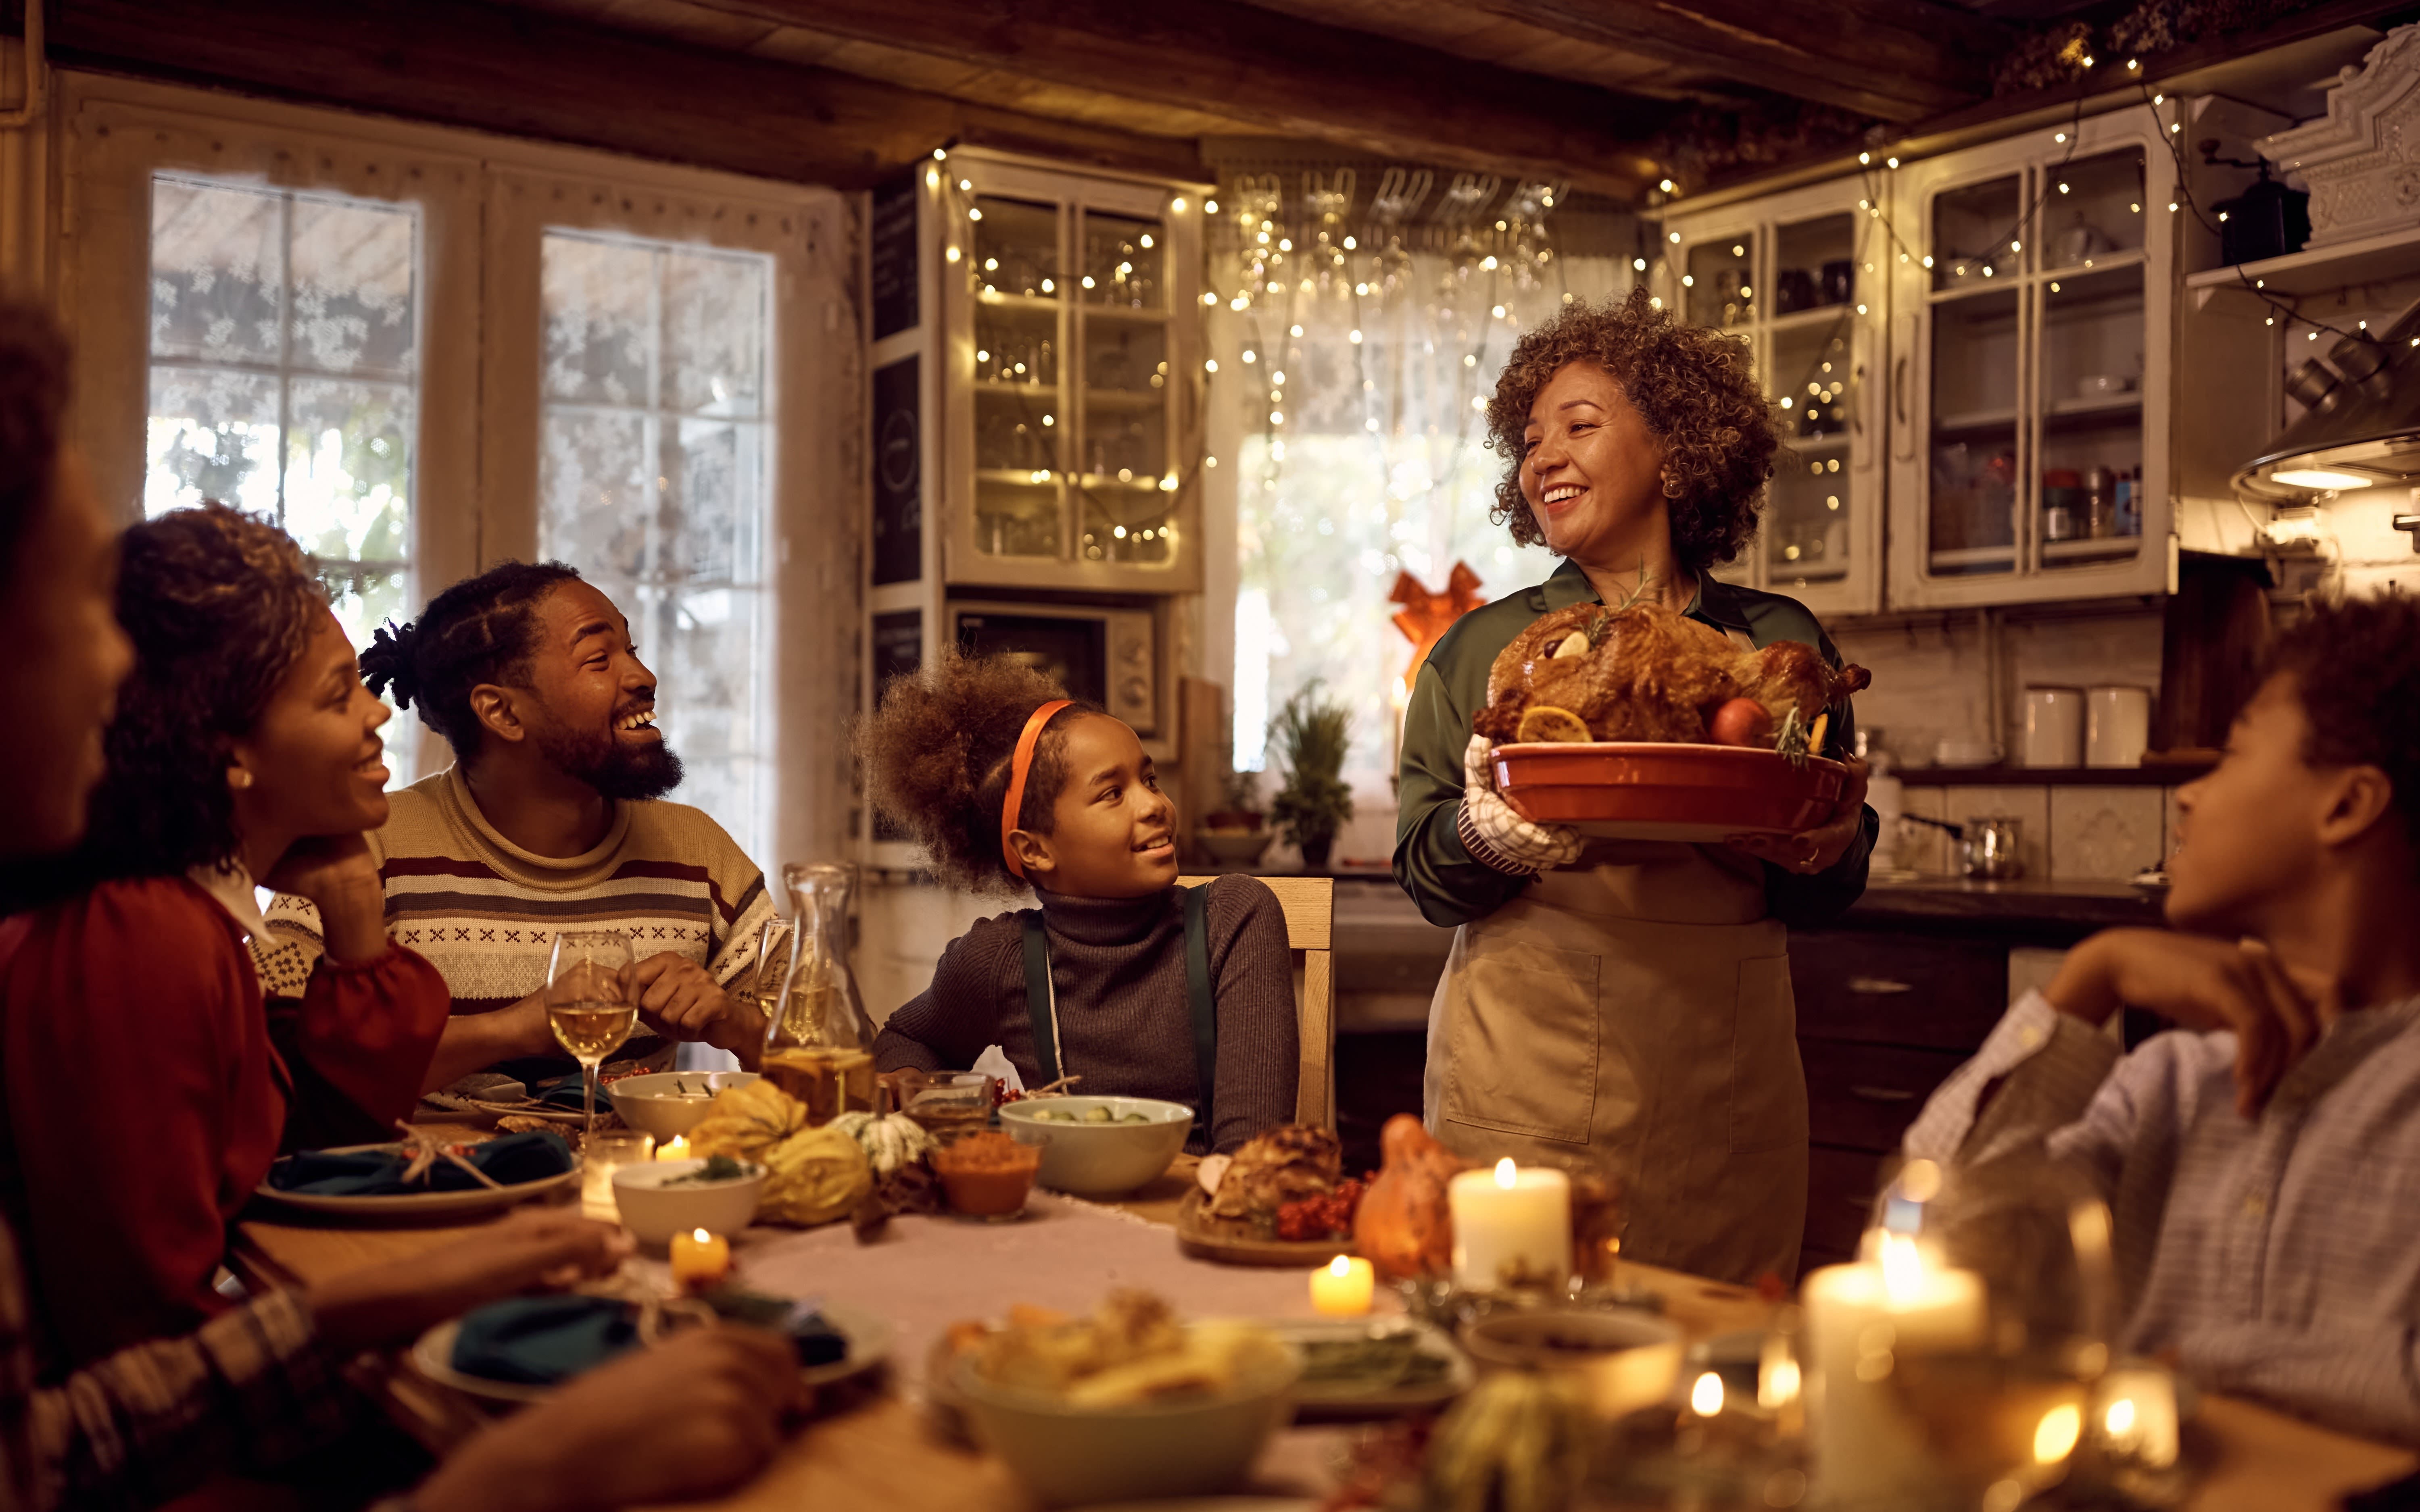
x,y
817,1047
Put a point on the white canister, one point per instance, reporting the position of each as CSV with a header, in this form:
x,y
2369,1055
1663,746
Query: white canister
x,y
2053,727
2117,726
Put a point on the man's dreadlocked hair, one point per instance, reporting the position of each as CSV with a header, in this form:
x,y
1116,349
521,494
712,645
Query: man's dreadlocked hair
x,y
483,629
937,751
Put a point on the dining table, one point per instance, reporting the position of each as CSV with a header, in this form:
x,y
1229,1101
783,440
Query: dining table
x,y
876,1441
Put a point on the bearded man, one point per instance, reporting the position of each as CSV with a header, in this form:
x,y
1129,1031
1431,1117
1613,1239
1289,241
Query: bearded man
x,y
552,818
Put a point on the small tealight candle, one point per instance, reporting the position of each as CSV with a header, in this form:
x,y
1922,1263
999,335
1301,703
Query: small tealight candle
x,y
676,1148
700,1259
1706,1396
1343,1287
2135,1413
1511,1227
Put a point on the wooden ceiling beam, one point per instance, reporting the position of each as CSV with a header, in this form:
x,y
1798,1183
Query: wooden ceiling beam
x,y
523,74
1898,60
1287,76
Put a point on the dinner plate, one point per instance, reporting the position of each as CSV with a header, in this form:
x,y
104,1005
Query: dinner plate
x,y
868,1335
416,1204
1345,1400
1666,791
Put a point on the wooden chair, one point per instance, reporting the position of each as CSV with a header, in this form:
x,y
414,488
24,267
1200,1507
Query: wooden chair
x,y
1309,905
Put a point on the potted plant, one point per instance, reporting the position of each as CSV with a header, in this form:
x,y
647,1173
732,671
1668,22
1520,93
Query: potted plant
x,y
1239,804
1310,735
1234,833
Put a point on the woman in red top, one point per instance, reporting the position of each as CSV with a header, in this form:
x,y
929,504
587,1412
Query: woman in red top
x,y
144,1099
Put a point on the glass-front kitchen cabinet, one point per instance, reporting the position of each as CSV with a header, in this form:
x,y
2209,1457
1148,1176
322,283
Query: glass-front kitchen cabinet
x,y
2029,368
1071,379
1801,276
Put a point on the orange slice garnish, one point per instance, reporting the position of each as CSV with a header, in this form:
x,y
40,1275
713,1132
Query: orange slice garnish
x,y
1546,723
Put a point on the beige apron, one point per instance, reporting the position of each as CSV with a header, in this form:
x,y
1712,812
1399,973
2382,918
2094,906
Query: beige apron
x,y
1633,1011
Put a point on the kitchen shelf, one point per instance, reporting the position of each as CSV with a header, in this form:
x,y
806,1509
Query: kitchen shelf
x,y
2106,262
2392,254
2151,775
1126,400
2090,547
2083,414
1021,391
1829,441
1974,420
1976,556
1121,311
1814,319
1021,477
1037,302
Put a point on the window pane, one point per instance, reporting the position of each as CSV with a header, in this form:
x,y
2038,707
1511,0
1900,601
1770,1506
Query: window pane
x,y
218,270
285,370
653,484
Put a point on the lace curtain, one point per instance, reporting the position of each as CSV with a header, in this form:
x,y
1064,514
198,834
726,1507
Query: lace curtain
x,y
1366,359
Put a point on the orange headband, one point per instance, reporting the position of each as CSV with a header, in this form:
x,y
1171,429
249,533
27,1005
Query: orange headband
x,y
1017,770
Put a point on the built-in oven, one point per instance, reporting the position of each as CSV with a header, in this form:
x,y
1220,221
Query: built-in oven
x,y
1102,655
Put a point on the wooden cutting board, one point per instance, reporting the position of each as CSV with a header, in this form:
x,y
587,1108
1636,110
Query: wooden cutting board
x,y
1205,1238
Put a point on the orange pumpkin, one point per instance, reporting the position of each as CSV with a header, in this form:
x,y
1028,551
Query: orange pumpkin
x,y
1404,1227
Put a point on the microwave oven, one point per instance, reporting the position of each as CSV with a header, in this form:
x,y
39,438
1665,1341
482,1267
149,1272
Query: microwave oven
x,y
1101,656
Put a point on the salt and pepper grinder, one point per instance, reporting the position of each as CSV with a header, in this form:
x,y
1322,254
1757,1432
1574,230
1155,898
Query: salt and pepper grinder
x,y
2100,506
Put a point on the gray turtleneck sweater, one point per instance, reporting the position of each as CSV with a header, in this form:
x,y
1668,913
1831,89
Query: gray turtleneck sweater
x,y
1118,965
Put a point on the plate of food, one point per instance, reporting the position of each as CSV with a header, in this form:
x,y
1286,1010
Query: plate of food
x,y
421,1177
1281,1199
1365,1367
1639,723
864,1342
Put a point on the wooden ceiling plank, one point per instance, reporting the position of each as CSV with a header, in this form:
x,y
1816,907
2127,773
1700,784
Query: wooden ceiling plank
x,y
1897,59
1285,75
526,73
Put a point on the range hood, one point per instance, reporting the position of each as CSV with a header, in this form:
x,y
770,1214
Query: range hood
x,y
2361,428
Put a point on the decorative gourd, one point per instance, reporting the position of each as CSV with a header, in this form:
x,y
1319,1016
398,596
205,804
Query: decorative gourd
x,y
1404,1226
814,1177
889,1141
746,1121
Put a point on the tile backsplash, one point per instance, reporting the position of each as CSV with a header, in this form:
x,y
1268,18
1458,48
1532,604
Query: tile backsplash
x,y
2076,834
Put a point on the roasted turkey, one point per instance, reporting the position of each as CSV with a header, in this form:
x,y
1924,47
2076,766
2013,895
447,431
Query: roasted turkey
x,y
1649,672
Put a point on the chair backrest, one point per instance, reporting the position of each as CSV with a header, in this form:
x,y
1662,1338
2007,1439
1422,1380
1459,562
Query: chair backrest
x,y
1309,905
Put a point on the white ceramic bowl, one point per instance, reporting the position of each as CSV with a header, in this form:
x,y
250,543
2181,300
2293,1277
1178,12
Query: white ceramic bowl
x,y
1628,1358
669,1103
1235,847
1098,1159
655,1212
1072,1457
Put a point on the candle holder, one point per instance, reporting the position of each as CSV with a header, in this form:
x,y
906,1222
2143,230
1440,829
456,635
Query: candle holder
x,y
1954,1362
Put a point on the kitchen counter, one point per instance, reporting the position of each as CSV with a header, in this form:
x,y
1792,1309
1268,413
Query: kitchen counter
x,y
2035,908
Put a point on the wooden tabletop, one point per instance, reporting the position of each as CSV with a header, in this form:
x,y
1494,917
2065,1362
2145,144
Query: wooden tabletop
x,y
2264,1461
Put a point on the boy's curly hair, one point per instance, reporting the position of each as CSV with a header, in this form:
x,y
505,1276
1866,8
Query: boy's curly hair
x,y
1697,389
219,606
937,752
2356,672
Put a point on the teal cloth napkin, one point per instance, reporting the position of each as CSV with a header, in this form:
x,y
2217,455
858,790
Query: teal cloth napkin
x,y
538,1341
511,1160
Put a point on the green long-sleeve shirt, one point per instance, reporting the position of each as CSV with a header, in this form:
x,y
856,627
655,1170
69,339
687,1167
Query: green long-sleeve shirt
x,y
1429,859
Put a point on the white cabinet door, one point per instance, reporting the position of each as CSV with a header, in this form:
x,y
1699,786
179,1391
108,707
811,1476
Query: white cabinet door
x,y
2031,369
1801,277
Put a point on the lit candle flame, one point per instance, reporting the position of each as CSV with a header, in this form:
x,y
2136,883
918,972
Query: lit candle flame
x,y
1505,1176
1340,1266
699,1235
1706,1397
2121,1416
2055,1439
1903,1267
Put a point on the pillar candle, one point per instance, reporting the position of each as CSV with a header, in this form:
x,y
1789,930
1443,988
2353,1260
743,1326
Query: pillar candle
x,y
2135,1416
700,1259
1861,1319
1341,1287
676,1148
1511,1226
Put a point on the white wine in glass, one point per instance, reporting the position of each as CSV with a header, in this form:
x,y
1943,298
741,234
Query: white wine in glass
x,y
588,1004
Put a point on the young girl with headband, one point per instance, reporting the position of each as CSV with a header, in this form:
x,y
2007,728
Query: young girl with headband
x,y
1141,987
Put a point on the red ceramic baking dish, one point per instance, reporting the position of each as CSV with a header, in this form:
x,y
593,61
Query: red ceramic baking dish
x,y
1645,790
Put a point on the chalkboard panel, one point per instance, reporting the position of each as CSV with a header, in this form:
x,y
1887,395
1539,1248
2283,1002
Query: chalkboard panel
x,y
898,649
892,256
898,474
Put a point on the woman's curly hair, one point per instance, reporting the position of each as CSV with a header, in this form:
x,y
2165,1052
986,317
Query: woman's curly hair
x,y
483,629
219,606
937,752
1697,389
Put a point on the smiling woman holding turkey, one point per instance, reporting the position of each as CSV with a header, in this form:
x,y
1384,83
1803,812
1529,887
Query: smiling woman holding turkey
x,y
1625,1002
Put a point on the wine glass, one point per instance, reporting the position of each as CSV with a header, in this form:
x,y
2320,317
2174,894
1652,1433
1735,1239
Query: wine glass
x,y
586,1003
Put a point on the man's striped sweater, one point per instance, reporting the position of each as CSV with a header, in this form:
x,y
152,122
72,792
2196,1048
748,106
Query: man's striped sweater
x,y
486,911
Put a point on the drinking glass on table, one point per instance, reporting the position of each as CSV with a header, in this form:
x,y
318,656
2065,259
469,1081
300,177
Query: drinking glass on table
x,y
587,1006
